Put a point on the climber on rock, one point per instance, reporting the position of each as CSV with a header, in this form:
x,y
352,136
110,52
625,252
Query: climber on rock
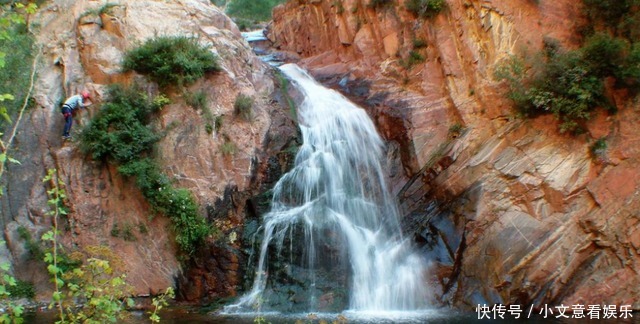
x,y
72,103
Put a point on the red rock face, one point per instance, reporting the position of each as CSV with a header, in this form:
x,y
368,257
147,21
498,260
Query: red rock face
x,y
524,214
83,50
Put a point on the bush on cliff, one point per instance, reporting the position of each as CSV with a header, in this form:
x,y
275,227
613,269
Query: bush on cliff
x,y
251,9
121,134
571,84
425,8
170,60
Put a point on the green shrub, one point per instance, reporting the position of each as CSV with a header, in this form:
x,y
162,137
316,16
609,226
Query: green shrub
x,y
632,65
197,100
609,12
217,123
599,148
243,107
120,131
33,247
16,72
567,88
169,60
380,3
419,43
22,289
177,204
228,148
413,59
339,5
425,8
252,9
455,130
604,55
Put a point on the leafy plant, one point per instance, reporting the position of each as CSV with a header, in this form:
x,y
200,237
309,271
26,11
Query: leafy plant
x,y
599,147
251,9
94,281
604,55
419,43
169,60
197,100
177,204
243,107
33,247
13,312
120,131
425,8
159,302
22,289
413,59
455,130
228,148
380,3
56,195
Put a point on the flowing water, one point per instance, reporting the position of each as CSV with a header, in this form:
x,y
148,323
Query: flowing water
x,y
332,241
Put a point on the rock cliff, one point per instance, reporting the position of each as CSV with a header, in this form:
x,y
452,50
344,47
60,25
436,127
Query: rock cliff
x,y
81,45
510,210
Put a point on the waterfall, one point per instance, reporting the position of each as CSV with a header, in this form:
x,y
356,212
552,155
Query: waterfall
x,y
332,239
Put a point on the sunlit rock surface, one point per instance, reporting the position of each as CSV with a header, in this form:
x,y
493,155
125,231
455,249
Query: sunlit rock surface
x,y
81,46
513,211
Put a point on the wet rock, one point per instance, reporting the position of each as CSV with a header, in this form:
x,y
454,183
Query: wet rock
x,y
530,204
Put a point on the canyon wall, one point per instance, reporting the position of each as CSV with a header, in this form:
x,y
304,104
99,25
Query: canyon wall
x,y
509,210
80,45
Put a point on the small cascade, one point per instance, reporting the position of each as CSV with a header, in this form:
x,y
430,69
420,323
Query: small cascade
x,y
332,240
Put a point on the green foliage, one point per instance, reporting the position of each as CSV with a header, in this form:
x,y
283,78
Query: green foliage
x,y
617,16
571,84
126,233
159,102
380,3
599,148
259,11
120,131
283,83
13,312
566,87
219,3
413,59
33,247
22,289
197,100
604,55
340,7
419,43
159,302
15,73
177,204
228,148
217,123
105,9
95,279
425,8
169,60
142,228
455,130
243,107
99,284
631,72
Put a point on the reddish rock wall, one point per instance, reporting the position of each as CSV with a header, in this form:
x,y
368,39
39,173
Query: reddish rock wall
x,y
81,47
523,213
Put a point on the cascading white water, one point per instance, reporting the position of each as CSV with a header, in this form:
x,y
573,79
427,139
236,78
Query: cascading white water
x,y
333,216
